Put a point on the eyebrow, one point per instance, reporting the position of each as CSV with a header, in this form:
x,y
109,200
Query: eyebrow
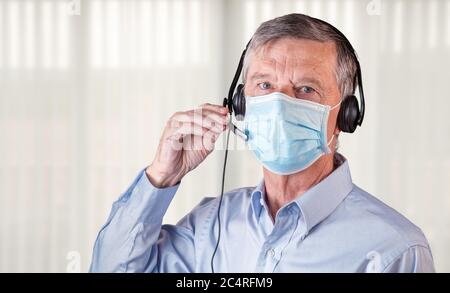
x,y
258,75
310,80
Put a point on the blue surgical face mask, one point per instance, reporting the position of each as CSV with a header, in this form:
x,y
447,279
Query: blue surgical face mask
x,y
287,135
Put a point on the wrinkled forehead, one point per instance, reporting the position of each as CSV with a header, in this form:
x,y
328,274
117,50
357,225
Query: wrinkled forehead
x,y
291,57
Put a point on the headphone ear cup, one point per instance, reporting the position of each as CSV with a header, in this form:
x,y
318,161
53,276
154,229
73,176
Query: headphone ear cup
x,y
239,103
348,114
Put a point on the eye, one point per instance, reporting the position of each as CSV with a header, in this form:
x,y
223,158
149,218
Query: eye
x,y
264,85
307,90
307,93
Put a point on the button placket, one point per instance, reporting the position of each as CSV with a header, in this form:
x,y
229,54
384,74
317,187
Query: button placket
x,y
272,248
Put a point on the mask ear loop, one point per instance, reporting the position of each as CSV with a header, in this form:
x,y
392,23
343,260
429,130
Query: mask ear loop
x,y
332,108
331,140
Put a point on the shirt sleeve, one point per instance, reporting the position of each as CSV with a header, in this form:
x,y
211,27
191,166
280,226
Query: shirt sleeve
x,y
416,259
133,238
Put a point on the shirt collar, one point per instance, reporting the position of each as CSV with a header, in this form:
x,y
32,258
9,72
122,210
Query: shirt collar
x,y
320,200
257,198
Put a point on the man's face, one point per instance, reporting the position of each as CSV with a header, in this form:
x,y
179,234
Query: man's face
x,y
299,68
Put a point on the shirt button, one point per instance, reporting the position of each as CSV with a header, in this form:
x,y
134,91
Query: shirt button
x,y
271,252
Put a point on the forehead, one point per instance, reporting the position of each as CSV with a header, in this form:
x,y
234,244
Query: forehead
x,y
295,56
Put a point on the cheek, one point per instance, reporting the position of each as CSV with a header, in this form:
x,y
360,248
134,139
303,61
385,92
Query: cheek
x,y
332,118
248,91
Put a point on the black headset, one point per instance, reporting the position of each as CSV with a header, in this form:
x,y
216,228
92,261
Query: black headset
x,y
350,114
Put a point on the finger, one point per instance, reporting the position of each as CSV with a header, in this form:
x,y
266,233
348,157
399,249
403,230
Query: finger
x,y
205,118
203,142
216,108
216,128
189,128
179,133
191,136
209,140
218,118
211,125
205,124
210,121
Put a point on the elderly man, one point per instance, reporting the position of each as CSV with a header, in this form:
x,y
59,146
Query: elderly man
x,y
306,215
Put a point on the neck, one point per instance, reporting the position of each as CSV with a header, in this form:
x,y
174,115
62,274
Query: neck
x,y
281,189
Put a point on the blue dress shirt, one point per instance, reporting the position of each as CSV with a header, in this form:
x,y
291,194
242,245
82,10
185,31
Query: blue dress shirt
x,y
334,227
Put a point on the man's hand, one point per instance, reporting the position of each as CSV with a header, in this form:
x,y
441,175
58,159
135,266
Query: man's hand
x,y
187,140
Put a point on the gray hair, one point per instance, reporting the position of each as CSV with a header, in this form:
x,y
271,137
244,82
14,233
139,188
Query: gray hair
x,y
301,26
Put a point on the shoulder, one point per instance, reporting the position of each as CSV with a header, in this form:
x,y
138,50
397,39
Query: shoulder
x,y
384,218
385,230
